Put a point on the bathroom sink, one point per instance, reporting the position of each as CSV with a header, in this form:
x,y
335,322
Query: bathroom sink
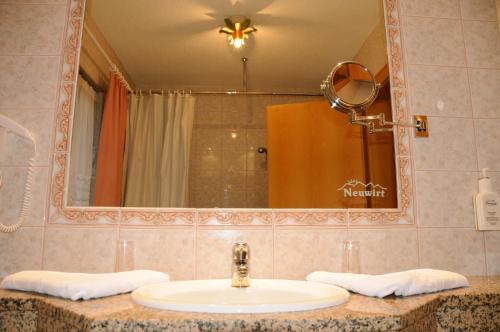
x,y
217,296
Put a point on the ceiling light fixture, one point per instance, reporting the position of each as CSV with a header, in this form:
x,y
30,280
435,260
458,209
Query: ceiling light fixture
x,y
237,28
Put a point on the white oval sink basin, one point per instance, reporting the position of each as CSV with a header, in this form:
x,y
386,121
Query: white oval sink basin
x,y
217,296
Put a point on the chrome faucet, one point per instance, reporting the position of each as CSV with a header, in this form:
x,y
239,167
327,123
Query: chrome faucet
x,y
241,258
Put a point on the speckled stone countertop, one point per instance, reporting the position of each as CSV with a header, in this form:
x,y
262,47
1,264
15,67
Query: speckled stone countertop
x,y
474,308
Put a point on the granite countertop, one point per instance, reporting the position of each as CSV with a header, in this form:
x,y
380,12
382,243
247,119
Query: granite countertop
x,y
477,305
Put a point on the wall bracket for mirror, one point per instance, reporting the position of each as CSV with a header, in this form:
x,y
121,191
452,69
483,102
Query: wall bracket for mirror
x,y
351,88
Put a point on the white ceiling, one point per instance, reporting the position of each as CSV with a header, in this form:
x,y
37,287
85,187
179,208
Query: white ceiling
x,y
176,44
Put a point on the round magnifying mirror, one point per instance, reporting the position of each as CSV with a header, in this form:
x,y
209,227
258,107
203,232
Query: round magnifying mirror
x,y
350,87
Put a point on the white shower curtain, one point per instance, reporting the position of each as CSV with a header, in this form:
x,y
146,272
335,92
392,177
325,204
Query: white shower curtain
x,y
81,157
157,148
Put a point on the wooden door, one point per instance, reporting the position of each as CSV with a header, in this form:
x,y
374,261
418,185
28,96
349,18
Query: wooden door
x,y
312,152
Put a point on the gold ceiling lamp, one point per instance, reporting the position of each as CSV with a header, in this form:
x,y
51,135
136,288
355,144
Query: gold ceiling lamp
x,y
237,28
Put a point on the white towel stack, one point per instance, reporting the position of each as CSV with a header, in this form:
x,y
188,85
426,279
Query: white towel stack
x,y
85,286
401,283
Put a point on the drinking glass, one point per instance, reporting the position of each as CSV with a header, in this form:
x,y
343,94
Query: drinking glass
x,y
124,255
350,256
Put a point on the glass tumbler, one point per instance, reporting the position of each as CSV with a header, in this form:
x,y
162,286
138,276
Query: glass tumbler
x,y
124,255
350,256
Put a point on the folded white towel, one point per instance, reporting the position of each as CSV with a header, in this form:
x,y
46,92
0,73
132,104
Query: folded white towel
x,y
401,283
85,286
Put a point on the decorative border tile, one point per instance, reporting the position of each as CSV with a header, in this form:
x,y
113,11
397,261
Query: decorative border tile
x,y
157,217
326,217
401,134
218,217
391,12
60,214
395,57
319,217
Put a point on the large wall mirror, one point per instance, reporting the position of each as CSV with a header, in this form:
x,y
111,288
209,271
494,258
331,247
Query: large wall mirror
x,y
161,110
189,140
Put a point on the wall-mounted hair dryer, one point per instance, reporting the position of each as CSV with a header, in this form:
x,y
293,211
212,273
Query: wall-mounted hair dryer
x,y
10,126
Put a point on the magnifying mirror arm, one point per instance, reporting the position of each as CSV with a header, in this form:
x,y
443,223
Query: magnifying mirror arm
x,y
350,71
369,121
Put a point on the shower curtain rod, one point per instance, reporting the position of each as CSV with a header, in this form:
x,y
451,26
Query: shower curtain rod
x,y
267,93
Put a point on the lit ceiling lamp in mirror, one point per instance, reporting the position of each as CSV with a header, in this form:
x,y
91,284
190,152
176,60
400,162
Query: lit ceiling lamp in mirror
x,y
237,28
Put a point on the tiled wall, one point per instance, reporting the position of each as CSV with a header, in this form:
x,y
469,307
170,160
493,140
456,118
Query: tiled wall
x,y
452,50
225,169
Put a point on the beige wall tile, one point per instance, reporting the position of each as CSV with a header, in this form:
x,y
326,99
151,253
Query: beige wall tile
x,y
213,252
439,91
257,199
235,110
386,250
300,252
208,110
434,41
235,119
12,192
234,160
39,123
488,143
166,250
205,188
88,250
234,103
256,138
445,198
482,43
455,249
478,9
28,82
450,146
257,189
493,252
431,8
234,139
31,29
21,250
484,85
16,150
257,114
206,139
235,180
207,160
234,198
495,179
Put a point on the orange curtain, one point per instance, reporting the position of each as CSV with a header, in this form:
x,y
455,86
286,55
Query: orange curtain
x,y
108,183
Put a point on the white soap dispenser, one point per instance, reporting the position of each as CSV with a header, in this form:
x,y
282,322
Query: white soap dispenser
x,y
487,205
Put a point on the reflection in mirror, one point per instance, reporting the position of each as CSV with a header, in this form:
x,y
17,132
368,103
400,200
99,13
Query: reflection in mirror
x,y
354,84
182,121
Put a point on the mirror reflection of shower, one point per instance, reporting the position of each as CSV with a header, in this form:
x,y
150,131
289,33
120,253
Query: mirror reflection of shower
x,y
263,95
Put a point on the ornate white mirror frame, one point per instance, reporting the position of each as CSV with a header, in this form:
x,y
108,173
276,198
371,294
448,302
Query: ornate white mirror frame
x,y
60,214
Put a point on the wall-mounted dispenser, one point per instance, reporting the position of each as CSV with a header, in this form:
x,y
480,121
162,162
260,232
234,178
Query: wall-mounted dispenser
x,y
486,205
351,88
